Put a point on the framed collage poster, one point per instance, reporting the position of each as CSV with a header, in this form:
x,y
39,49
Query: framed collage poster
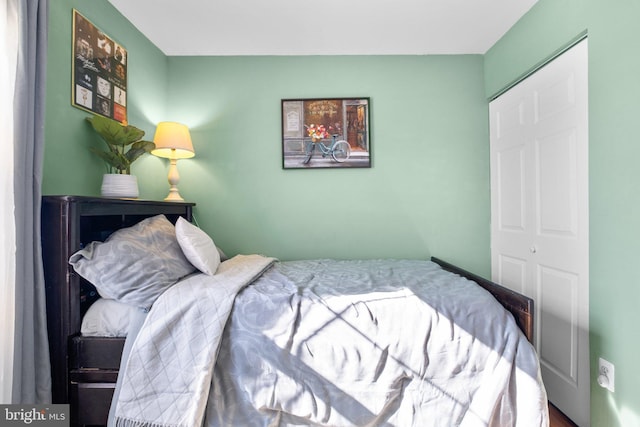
x,y
326,133
99,71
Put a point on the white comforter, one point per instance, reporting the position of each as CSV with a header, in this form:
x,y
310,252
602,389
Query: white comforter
x,y
169,368
332,343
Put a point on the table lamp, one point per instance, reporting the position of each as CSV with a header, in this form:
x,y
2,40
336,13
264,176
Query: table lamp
x,y
173,142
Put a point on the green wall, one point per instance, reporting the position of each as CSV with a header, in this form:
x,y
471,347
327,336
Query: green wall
x,y
69,166
614,91
427,192
428,189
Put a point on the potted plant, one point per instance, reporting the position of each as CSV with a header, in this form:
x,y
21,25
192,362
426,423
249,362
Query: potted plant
x,y
124,145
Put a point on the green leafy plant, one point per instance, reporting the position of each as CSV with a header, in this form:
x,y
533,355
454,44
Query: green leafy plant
x,y
124,144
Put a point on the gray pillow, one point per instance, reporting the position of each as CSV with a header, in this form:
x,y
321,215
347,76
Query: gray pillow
x,y
136,264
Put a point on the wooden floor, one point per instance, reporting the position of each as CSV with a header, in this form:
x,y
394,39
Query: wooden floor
x,y
558,419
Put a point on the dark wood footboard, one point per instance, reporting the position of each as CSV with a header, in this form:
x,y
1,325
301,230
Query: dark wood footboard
x,y
517,304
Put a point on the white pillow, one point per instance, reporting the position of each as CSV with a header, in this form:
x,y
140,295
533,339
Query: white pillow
x,y
198,247
107,318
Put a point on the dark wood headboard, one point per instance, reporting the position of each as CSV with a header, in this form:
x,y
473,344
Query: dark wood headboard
x,y
68,224
520,306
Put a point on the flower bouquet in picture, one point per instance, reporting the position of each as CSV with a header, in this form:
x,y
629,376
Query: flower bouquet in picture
x,y
317,132
339,150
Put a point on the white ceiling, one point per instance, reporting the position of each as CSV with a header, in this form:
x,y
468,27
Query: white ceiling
x,y
328,27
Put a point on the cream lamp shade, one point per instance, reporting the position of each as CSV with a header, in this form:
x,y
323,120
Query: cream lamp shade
x,y
173,142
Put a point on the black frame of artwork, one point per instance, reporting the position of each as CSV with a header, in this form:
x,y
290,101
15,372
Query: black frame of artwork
x,y
99,71
336,119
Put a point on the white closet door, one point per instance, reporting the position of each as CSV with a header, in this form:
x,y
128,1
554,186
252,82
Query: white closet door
x,y
540,217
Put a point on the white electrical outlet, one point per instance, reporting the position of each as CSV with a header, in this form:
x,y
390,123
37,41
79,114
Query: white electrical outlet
x,y
606,375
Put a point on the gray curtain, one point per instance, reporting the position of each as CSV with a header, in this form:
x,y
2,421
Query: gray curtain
x,y
32,370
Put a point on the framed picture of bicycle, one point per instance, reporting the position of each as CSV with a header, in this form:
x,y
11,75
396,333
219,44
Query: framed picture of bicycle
x,y
326,133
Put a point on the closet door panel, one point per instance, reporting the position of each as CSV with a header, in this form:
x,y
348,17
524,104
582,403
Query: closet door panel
x,y
540,216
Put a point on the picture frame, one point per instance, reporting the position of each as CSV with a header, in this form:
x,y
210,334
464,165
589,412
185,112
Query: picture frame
x,y
326,133
99,71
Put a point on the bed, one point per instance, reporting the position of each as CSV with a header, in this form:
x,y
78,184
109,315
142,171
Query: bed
x,y
285,343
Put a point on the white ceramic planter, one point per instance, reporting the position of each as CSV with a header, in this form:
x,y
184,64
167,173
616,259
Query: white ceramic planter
x,y
118,185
